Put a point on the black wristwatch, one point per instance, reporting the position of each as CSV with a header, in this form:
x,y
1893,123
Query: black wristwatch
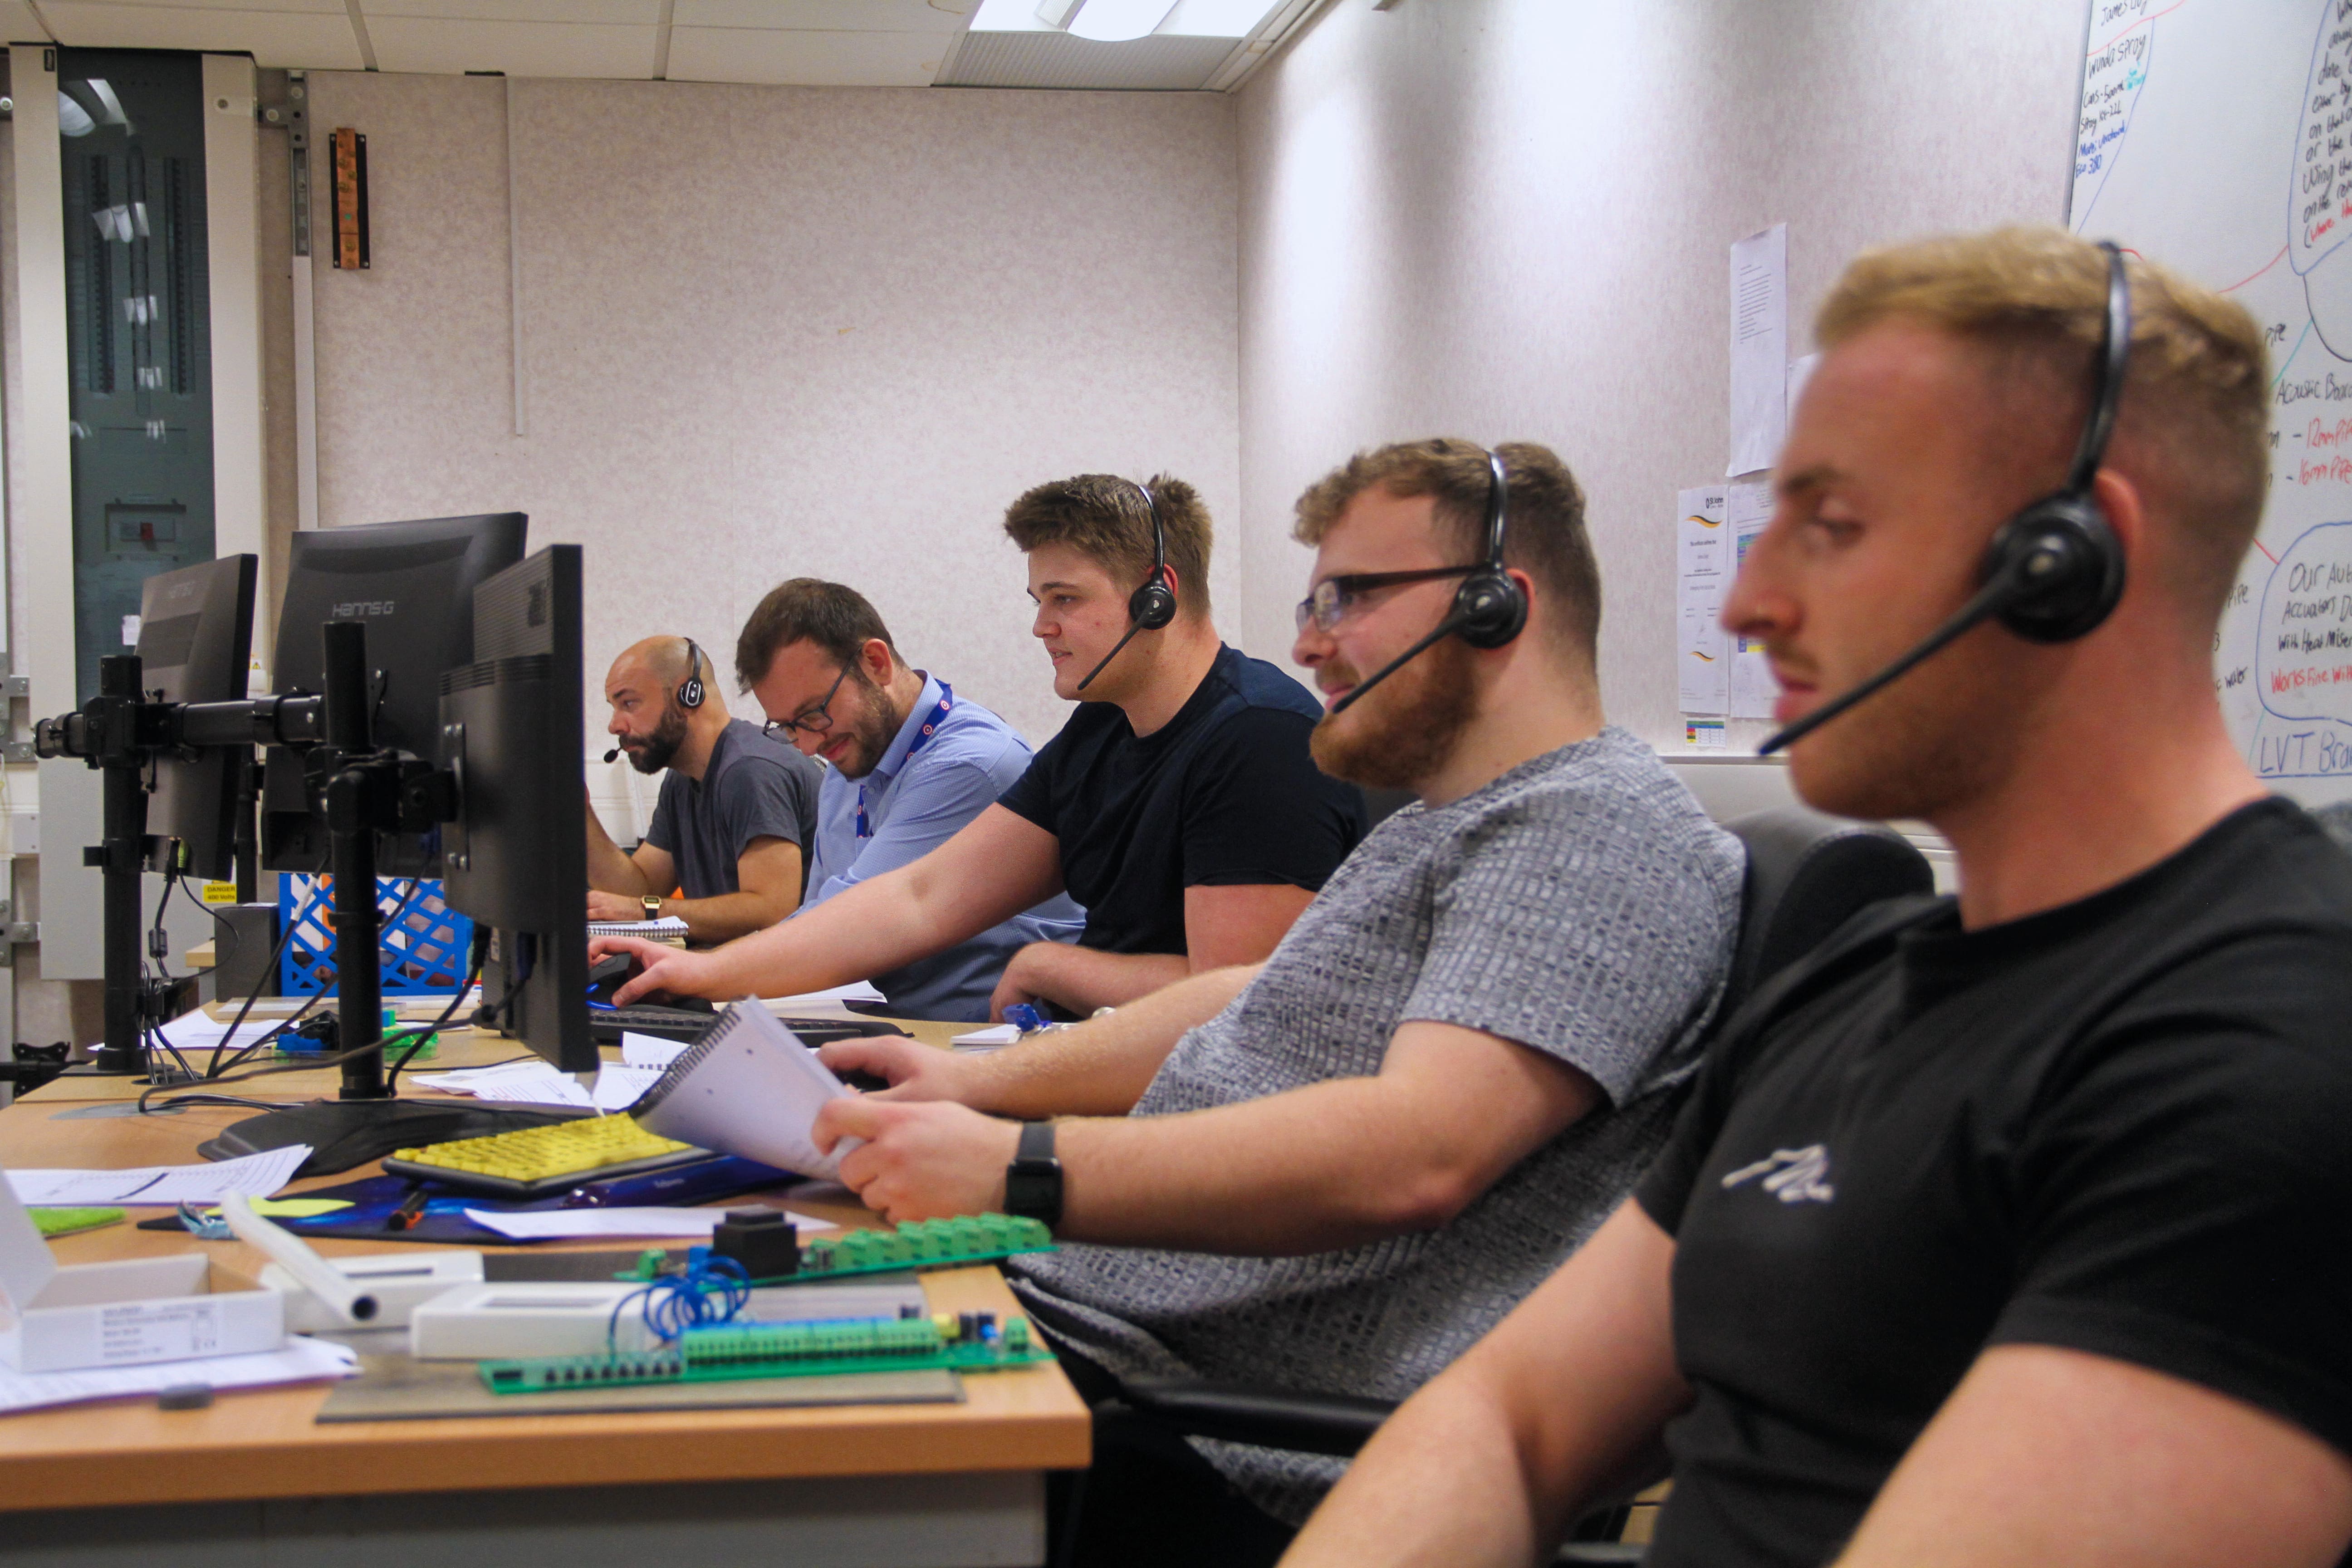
x,y
1033,1183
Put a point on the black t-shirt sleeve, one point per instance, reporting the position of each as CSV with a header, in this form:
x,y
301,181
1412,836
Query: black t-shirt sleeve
x,y
1665,1189
2177,1197
1031,796
1257,810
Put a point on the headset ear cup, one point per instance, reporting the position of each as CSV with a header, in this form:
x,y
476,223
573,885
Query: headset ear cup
x,y
690,694
1490,610
2069,566
1153,605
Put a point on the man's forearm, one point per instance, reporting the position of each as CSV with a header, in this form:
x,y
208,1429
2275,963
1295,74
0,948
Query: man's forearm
x,y
727,916
1102,1066
609,870
1081,979
1557,1410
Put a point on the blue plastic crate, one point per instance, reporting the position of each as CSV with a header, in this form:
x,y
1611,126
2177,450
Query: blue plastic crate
x,y
422,943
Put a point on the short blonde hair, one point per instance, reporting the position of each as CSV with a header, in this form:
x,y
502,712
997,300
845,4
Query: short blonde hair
x,y
1543,527
2193,418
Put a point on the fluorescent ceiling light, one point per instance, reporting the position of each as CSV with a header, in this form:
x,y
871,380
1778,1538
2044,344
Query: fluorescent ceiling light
x,y
1216,19
1118,21
1186,18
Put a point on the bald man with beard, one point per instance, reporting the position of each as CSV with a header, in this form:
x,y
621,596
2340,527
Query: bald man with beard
x,y
736,813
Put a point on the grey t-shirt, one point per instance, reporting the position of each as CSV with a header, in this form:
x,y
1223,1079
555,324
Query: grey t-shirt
x,y
1582,905
753,788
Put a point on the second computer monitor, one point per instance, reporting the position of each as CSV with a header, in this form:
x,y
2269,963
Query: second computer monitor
x,y
195,644
516,857
413,586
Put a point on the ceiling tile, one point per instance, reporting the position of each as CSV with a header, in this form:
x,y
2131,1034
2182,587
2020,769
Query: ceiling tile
x,y
828,15
623,13
519,48
17,18
314,41
805,58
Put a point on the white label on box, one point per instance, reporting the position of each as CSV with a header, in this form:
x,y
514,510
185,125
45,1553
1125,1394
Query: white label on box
x,y
161,1331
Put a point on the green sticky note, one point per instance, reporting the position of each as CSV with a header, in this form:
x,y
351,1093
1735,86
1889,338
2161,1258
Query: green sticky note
x,y
65,1222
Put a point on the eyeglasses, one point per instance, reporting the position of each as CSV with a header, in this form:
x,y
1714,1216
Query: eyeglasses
x,y
1336,598
816,720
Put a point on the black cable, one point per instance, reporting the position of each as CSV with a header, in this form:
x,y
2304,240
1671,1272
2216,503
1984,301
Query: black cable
x,y
214,1068
481,950
338,1060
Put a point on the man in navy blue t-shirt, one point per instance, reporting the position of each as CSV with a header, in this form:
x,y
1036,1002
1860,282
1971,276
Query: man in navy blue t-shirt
x,y
1180,805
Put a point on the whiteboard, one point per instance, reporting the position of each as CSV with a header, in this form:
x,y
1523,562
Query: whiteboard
x,y
2216,137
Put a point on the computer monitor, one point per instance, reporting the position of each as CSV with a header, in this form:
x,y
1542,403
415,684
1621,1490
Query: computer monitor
x,y
195,644
516,857
412,583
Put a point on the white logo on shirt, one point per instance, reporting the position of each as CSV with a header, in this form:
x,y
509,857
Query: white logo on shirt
x,y
1792,1175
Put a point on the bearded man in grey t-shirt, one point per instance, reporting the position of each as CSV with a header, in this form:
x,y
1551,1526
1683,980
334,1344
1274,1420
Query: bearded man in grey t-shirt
x,y
1335,1170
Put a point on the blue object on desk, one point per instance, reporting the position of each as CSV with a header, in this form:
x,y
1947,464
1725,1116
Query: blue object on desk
x,y
719,1176
1024,1017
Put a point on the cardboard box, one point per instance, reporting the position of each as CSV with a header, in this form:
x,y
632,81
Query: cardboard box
x,y
125,1313
142,1310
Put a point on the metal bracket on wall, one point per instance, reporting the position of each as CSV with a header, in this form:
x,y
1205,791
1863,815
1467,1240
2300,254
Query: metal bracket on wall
x,y
284,104
14,933
13,686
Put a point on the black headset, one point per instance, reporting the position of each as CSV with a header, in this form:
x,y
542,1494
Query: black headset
x,y
689,690
2053,572
1489,609
1151,606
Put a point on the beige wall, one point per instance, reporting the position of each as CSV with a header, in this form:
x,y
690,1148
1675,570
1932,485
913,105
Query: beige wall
x,y
1508,219
772,332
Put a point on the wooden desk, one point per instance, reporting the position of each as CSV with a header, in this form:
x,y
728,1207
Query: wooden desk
x,y
253,1480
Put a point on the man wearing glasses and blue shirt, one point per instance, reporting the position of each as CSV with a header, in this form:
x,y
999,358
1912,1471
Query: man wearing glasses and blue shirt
x,y
909,761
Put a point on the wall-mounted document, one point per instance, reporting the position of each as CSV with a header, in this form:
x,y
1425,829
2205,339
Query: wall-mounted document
x,y
1747,509
1759,348
1702,577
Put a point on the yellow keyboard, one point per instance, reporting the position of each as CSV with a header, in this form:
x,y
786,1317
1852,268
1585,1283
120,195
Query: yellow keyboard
x,y
532,1162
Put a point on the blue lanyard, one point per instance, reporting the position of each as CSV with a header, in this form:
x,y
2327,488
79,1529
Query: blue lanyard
x,y
922,738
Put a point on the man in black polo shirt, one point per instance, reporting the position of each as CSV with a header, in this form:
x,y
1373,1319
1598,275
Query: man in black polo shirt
x,y
2002,1230
1180,805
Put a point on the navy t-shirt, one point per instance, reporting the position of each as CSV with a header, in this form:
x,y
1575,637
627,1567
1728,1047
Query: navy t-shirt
x,y
1223,794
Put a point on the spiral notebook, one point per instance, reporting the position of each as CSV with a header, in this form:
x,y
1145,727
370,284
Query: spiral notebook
x,y
747,1088
666,929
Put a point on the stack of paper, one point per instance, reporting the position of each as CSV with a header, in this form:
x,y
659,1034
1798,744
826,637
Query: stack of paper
x,y
995,1037
301,1360
617,1086
255,1175
855,990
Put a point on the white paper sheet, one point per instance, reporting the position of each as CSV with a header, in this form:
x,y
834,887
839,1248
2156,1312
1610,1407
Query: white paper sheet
x,y
1702,577
618,1086
649,1050
302,1361
996,1036
749,1087
198,1033
255,1175
468,1080
1759,348
1749,507
855,990
546,1087
552,1225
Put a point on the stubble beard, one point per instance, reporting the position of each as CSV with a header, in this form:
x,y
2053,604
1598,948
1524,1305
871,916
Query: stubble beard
x,y
1936,741
1405,729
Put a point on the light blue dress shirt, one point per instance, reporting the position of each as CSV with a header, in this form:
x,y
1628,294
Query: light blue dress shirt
x,y
914,805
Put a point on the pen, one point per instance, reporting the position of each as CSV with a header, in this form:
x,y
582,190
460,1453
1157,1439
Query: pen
x,y
411,1210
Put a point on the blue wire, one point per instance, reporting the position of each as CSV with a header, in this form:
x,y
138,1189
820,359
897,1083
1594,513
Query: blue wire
x,y
713,1289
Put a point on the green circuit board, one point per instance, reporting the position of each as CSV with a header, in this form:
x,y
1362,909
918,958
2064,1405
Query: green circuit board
x,y
973,1341
912,1244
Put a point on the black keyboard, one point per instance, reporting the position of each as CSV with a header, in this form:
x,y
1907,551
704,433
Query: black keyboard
x,y
605,1025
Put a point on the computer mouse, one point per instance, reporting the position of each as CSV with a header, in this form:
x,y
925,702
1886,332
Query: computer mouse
x,y
608,974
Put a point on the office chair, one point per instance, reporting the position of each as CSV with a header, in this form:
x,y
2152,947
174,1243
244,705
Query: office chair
x,y
1807,874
